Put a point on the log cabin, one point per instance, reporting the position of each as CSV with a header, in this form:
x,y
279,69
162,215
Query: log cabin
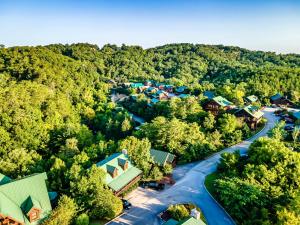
x,y
251,114
215,104
24,201
162,158
280,100
120,173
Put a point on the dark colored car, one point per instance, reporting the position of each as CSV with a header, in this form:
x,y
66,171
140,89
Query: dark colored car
x,y
126,204
289,128
153,185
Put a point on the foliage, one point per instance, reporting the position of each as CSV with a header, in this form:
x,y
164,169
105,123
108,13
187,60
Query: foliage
x,y
82,219
64,213
139,152
263,187
56,114
178,212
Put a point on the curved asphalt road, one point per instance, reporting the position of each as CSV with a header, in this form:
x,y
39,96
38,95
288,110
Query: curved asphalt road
x,y
188,188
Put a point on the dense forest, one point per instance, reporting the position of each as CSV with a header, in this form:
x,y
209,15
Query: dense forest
x,y
56,114
263,187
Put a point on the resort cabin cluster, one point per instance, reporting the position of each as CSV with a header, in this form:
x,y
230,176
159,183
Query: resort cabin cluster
x,y
157,91
24,201
251,114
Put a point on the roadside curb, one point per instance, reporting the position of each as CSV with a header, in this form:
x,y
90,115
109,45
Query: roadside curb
x,y
113,220
248,139
218,202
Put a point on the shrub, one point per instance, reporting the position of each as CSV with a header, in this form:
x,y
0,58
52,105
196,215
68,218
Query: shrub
x,y
83,219
178,212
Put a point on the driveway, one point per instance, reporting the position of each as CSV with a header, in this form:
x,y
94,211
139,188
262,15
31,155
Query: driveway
x,y
188,188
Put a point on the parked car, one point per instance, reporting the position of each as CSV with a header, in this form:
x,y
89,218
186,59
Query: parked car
x,y
126,204
153,185
289,128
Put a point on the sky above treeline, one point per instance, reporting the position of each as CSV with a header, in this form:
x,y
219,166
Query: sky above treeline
x,y
268,25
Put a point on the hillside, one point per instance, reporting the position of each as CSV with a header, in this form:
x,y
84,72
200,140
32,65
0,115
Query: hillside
x,y
56,115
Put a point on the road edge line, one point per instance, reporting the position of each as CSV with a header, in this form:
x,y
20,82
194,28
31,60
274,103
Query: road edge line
x,y
218,202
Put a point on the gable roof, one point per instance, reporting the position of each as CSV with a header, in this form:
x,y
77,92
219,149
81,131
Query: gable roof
x,y
161,157
183,95
253,111
180,89
136,85
188,221
4,179
30,203
222,101
191,221
296,115
171,222
276,97
209,94
252,98
15,194
154,100
123,176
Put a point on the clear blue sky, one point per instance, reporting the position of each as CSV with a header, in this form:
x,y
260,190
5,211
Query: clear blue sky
x,y
254,24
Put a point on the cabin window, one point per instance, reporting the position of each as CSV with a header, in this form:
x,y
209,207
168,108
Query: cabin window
x,y
125,166
34,215
114,173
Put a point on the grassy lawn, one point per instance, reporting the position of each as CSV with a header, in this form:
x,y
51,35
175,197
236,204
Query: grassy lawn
x,y
209,182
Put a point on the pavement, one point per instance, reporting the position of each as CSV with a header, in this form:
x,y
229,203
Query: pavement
x,y
189,187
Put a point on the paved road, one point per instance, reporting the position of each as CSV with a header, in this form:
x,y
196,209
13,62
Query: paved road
x,y
188,188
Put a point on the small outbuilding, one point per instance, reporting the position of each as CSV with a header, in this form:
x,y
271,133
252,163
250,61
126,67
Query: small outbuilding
x,y
162,158
188,221
251,99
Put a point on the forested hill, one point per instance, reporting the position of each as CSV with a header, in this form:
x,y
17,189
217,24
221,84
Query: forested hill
x,y
265,73
56,115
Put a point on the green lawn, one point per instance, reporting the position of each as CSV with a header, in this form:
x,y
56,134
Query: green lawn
x,y
209,182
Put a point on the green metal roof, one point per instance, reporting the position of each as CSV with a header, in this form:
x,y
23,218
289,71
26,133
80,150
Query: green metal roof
x,y
191,221
30,203
171,222
222,101
161,157
183,95
180,89
276,96
4,179
209,94
123,176
136,85
9,208
297,115
188,221
52,195
252,98
121,181
15,194
253,111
